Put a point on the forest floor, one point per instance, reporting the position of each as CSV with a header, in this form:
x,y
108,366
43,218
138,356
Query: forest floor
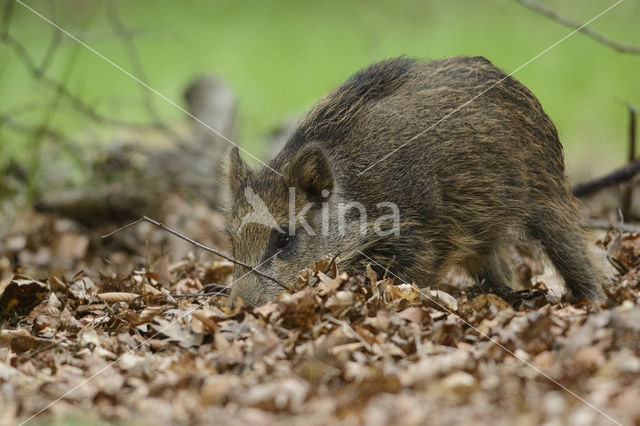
x,y
119,331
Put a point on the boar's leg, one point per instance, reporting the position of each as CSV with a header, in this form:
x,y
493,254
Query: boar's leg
x,y
559,230
494,276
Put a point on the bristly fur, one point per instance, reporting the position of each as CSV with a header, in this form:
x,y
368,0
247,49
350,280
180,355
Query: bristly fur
x,y
488,174
332,117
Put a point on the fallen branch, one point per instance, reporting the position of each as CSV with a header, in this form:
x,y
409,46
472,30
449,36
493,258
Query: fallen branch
x,y
622,48
197,244
123,189
621,175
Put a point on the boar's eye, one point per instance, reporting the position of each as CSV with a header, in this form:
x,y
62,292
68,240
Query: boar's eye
x,y
284,240
281,242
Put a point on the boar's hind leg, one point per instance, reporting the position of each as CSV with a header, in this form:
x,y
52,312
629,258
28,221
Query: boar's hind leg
x,y
494,276
560,232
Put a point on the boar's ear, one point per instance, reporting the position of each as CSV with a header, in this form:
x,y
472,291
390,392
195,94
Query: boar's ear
x,y
238,172
311,171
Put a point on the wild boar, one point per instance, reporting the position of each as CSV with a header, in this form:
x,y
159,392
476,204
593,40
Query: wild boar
x,y
451,161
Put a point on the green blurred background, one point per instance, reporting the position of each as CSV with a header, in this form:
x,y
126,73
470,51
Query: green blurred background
x,y
281,56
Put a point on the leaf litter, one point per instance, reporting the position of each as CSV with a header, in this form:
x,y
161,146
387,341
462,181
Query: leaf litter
x,y
120,344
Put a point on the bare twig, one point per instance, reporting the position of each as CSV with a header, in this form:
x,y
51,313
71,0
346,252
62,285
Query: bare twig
x,y
199,294
97,36
127,38
16,126
627,194
218,287
25,108
54,43
204,291
42,129
37,73
621,175
6,18
51,50
624,174
68,144
197,244
622,48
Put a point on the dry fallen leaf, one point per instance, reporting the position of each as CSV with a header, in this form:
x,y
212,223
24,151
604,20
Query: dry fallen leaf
x,y
351,349
114,297
20,296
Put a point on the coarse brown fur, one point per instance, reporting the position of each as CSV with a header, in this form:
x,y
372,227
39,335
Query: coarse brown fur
x,y
487,174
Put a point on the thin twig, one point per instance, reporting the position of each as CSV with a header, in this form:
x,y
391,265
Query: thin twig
x,y
54,43
39,72
621,175
127,38
622,48
6,18
213,293
204,291
197,244
51,50
214,285
78,104
627,194
68,144
49,113
16,126
99,36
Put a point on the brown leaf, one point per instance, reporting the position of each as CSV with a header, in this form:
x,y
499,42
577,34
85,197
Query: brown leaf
x,y
114,297
440,300
459,384
414,314
9,335
20,344
20,296
205,318
483,306
176,332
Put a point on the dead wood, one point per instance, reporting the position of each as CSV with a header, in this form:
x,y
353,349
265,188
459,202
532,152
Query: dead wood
x,y
621,175
132,180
